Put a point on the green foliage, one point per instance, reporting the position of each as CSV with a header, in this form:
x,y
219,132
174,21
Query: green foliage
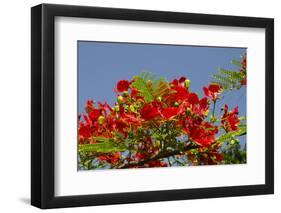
x,y
103,147
231,135
230,79
233,154
231,150
149,86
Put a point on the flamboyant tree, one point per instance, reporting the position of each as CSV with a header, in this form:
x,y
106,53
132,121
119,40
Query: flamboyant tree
x,y
157,123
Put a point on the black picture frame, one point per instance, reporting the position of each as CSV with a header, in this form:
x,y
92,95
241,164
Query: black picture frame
x,y
43,102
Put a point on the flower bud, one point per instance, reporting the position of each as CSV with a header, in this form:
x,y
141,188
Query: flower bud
x,y
101,119
213,119
126,107
176,104
188,111
159,98
157,143
116,108
120,99
207,112
187,83
234,141
132,108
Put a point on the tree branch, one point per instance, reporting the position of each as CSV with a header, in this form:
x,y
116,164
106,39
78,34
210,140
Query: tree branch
x,y
156,157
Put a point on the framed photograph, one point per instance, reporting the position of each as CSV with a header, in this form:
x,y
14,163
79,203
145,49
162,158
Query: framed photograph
x,y
139,106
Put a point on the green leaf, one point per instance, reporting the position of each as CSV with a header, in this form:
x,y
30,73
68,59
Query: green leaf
x,y
157,87
243,118
104,147
141,85
237,63
230,135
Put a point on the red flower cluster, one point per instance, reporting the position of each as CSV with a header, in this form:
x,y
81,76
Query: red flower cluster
x,y
230,119
154,122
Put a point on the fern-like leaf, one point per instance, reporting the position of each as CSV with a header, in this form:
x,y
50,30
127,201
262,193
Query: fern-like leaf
x,y
149,86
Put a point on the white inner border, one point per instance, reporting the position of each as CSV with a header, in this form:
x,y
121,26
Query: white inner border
x,y
68,181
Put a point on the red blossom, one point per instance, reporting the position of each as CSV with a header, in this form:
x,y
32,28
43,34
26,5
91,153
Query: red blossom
x,y
179,95
84,131
170,112
89,105
193,98
94,114
244,82
212,91
123,85
111,158
203,134
230,120
150,112
134,93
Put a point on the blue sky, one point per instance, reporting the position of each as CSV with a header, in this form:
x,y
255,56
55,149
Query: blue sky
x,y
102,64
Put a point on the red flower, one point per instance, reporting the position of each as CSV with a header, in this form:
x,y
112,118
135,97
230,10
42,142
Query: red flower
x,y
149,112
244,82
230,120
204,104
170,112
181,81
134,93
202,107
84,131
123,85
212,91
193,98
244,63
180,94
157,163
120,125
203,134
111,158
89,105
94,114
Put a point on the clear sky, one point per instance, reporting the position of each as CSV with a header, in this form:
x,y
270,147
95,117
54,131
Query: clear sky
x,y
102,64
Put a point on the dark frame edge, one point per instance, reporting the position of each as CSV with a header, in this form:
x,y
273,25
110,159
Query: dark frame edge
x,y
36,60
269,116
42,107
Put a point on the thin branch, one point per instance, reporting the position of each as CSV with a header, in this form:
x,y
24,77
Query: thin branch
x,y
156,157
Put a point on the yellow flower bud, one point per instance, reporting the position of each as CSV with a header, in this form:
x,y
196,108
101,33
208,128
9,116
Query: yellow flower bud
x,y
101,119
176,104
207,112
120,99
157,143
187,83
213,119
132,108
116,108
159,98
126,107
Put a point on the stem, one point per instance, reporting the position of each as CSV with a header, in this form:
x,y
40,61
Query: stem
x,y
214,108
155,157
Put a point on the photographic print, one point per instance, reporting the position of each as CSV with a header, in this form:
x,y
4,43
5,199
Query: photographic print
x,y
145,98
160,105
